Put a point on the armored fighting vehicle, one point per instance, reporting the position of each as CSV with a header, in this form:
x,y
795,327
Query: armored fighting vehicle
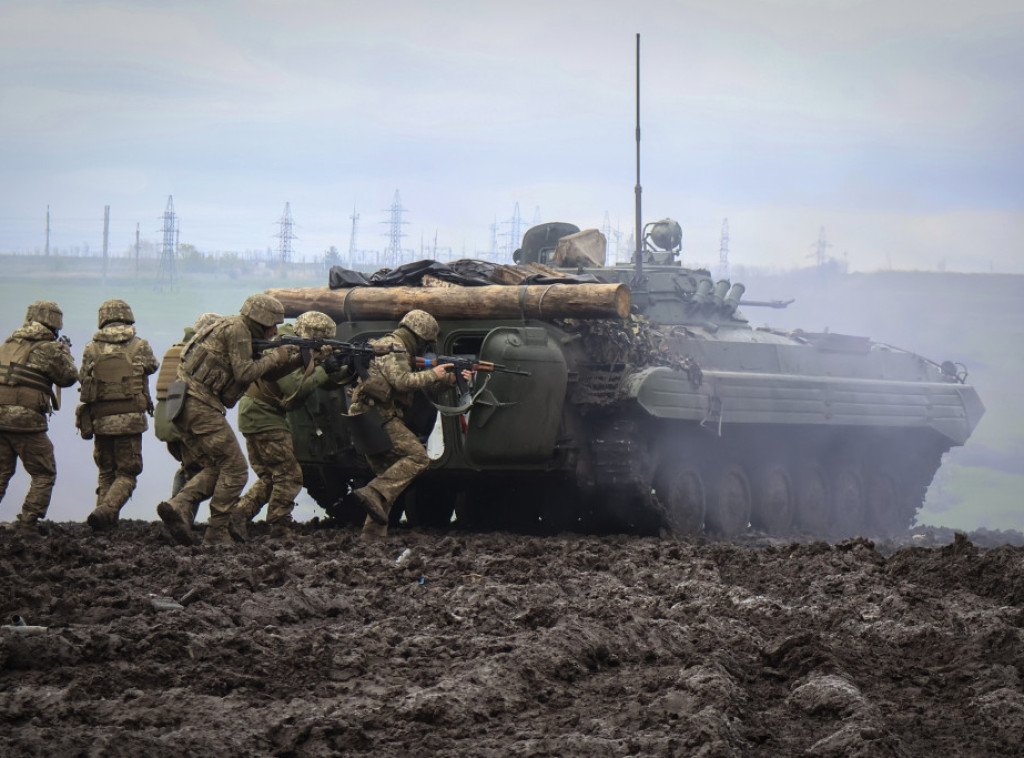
x,y
650,402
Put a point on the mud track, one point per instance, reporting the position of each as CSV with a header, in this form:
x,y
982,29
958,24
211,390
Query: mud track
x,y
499,645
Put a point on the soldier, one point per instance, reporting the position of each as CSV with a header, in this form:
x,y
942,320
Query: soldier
x,y
115,400
263,422
217,366
32,361
389,387
166,431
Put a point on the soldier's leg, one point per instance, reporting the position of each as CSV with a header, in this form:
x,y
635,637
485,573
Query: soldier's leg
x,y
103,457
174,448
127,466
195,423
258,494
221,447
112,491
191,467
395,470
37,456
8,463
286,478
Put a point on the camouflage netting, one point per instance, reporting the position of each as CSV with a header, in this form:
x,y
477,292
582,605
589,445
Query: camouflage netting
x,y
618,348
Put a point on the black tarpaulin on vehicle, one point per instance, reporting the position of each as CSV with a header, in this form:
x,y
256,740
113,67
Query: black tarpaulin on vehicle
x,y
466,272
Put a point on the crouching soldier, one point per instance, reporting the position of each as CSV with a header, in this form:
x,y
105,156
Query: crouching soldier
x,y
217,366
389,389
167,432
114,389
263,421
32,361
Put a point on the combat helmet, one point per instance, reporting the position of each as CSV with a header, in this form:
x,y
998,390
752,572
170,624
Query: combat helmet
x,y
115,310
263,309
315,324
46,312
205,320
422,324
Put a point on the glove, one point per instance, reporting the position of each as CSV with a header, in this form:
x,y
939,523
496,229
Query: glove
x,y
341,376
281,356
333,363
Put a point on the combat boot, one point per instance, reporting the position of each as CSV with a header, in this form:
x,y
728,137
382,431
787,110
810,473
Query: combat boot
x,y
238,523
373,532
178,523
371,502
102,519
280,530
26,526
217,536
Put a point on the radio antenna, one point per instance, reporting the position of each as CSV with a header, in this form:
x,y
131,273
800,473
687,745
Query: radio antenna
x,y
639,280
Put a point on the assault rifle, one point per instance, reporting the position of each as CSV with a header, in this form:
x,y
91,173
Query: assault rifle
x,y
355,354
460,363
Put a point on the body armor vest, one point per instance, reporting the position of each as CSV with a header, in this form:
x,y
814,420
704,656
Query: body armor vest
x,y
19,383
210,369
112,387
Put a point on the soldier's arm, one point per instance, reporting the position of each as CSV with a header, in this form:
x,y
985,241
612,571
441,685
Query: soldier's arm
x,y
245,369
62,366
395,368
146,359
300,385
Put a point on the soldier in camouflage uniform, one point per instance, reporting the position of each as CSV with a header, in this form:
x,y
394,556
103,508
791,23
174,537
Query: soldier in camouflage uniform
x,y
389,387
263,421
32,361
218,366
114,387
166,431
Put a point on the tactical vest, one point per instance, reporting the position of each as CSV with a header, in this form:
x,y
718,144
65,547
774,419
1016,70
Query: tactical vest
x,y
208,368
19,383
112,386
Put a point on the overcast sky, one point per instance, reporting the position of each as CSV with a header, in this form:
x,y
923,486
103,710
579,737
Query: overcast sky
x,y
897,125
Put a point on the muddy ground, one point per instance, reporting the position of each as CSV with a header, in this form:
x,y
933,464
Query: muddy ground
x,y
505,645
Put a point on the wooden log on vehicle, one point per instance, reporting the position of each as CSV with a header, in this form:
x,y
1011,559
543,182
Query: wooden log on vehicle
x,y
487,302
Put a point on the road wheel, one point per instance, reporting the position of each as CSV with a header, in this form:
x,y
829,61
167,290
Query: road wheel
x,y
774,502
886,511
728,502
811,499
680,491
848,507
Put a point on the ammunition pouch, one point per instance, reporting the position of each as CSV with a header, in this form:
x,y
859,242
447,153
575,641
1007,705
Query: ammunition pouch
x,y
164,430
367,432
375,388
206,368
176,394
83,421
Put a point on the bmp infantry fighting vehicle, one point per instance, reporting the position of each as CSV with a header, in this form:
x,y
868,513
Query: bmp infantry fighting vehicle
x,y
650,402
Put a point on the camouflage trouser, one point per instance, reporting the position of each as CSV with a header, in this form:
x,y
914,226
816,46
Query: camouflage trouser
x,y
119,460
272,457
190,466
396,468
224,470
36,453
